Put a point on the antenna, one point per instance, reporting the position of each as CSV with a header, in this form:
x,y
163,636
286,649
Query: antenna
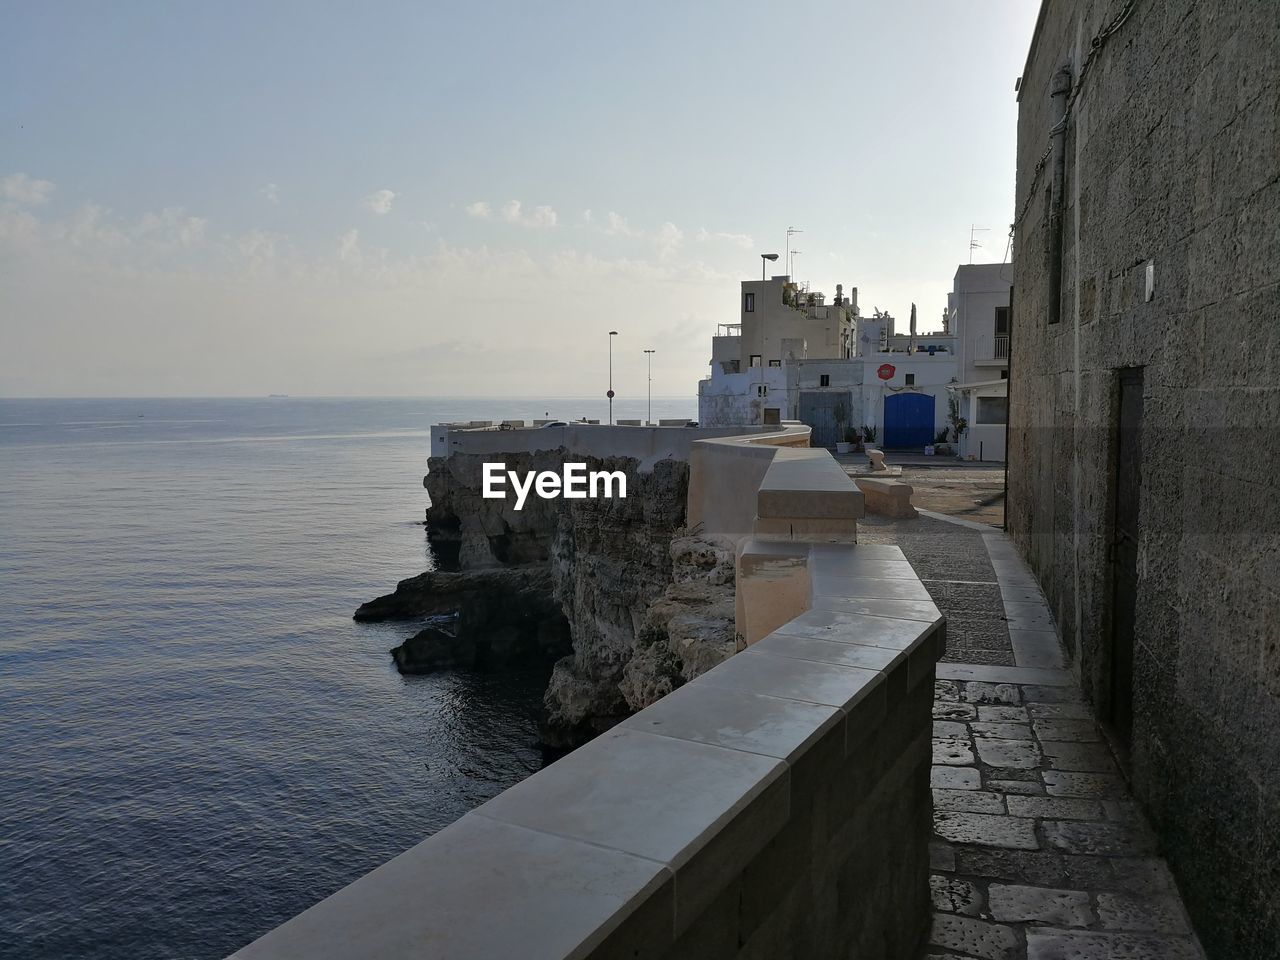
x,y
790,231
973,241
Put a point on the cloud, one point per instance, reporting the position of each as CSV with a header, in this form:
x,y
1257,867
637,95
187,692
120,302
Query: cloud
x,y
618,226
270,193
349,246
742,240
480,210
20,188
668,241
513,212
172,226
379,202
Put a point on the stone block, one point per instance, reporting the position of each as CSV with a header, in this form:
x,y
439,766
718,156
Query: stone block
x,y
1079,757
1015,903
973,938
945,710
968,801
1098,839
1018,787
1086,945
1001,731
1001,713
1058,808
982,692
1125,911
1100,786
955,778
951,895
986,830
924,610
1015,754
1064,731
954,753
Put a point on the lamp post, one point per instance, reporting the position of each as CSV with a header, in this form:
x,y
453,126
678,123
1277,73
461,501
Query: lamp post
x,y
763,257
649,356
612,334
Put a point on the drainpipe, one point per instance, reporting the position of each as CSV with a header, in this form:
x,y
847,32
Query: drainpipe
x,y
1008,411
1058,92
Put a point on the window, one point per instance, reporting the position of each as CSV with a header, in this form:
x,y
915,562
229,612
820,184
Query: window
x,y
762,389
993,409
748,303
1002,321
824,380
775,363
755,360
911,379
1004,374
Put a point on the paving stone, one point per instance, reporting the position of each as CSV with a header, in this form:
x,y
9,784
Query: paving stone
x,y
945,710
968,801
1124,811
1124,911
1059,711
1058,808
983,829
1099,839
1060,783
1079,757
942,856
955,778
949,730
1045,694
1026,787
974,938
1015,903
955,753
1020,754
955,896
1001,731
1144,876
1042,868
1002,713
946,690
1086,945
1066,731
979,691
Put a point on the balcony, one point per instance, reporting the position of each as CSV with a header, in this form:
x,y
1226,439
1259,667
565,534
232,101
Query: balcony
x,y
992,351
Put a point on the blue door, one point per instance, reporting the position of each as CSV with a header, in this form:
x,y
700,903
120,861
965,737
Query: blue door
x,y
908,420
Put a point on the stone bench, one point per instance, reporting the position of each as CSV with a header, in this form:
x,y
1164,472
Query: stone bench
x,y
888,498
876,459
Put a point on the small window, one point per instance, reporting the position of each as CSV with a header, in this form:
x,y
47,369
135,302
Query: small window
x,y
775,363
755,360
762,389
993,409
1004,374
748,303
1002,321
911,379
824,380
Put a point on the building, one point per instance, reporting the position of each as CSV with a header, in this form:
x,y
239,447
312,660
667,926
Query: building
x,y
1144,404
978,311
792,356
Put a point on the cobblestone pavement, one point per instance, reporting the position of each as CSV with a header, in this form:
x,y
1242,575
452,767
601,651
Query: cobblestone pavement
x,y
956,568
1039,851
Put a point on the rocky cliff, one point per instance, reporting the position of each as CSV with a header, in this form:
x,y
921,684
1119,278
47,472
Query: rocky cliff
x,y
645,605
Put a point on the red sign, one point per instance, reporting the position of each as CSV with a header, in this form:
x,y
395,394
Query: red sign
x,y
886,371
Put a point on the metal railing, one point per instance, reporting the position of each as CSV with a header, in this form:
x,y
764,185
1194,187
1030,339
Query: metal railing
x,y
1001,348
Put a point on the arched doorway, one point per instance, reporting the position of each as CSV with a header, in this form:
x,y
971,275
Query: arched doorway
x,y
908,420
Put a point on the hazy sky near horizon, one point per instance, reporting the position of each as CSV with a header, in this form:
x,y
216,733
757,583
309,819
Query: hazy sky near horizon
x,y
463,199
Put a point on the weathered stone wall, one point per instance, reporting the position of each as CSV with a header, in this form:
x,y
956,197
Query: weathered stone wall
x,y
648,607
1172,154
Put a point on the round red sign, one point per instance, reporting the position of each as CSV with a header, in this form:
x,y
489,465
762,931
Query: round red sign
x,y
609,394
886,371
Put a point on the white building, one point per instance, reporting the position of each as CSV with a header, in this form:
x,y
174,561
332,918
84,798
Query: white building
x,y
792,356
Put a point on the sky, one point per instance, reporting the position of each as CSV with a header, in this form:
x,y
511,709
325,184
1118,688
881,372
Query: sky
x,y
424,199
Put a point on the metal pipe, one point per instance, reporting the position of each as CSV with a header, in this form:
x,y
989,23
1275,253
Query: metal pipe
x,y
1059,91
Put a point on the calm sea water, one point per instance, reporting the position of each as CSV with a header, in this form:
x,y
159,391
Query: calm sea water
x,y
196,740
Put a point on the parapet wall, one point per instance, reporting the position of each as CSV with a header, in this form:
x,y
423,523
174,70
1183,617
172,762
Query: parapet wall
x,y
777,806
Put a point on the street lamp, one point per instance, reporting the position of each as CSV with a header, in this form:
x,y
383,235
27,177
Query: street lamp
x,y
649,357
763,257
612,334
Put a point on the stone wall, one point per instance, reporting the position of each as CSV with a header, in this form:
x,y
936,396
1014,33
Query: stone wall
x,y
775,807
1171,155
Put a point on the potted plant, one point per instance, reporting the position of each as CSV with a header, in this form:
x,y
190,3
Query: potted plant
x,y
941,447
868,433
849,443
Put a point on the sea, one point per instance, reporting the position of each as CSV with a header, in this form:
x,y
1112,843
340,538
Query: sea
x,y
197,742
